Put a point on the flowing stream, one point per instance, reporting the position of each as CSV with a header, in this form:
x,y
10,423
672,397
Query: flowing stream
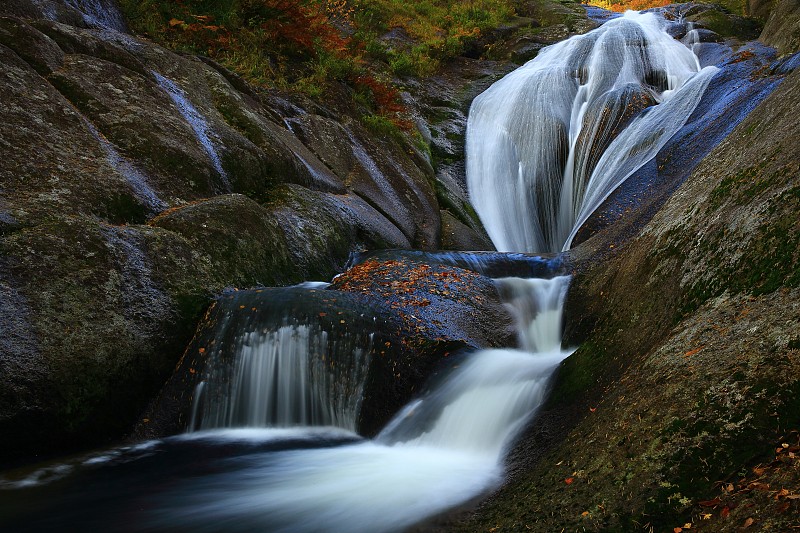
x,y
272,443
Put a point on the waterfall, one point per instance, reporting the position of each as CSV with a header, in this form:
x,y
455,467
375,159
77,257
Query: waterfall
x,y
273,365
440,450
548,143
282,377
197,121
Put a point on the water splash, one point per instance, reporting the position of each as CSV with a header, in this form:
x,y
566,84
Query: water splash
x,y
547,144
197,121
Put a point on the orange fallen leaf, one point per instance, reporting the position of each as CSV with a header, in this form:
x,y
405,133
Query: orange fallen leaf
x,y
692,352
175,22
748,522
569,480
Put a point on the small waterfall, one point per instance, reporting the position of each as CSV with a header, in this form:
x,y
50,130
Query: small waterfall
x,y
197,121
537,305
293,375
439,451
547,144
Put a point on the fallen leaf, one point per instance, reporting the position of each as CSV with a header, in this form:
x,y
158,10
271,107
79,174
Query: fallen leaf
x,y
710,503
706,516
748,522
175,22
677,530
569,480
725,512
692,352
585,513
687,525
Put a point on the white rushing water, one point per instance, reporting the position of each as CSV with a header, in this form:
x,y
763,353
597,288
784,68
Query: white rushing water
x,y
548,143
439,451
282,377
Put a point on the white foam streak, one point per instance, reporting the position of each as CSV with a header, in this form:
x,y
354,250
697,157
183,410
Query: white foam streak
x,y
365,488
205,135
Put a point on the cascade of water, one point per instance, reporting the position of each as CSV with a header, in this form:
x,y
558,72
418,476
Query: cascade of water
x,y
547,144
438,451
201,129
292,375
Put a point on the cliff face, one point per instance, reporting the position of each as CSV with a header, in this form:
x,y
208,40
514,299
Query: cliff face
x,y
681,404
135,183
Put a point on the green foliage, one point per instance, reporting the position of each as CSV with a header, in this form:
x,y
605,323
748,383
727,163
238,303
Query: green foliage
x,y
431,31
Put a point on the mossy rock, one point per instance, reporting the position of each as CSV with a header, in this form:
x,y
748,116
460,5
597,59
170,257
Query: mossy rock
x,y
782,29
687,370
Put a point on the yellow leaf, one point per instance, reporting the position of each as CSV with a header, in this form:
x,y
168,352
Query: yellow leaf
x,y
175,22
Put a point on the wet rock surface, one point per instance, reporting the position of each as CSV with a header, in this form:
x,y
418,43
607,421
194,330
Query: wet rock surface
x,y
415,319
130,169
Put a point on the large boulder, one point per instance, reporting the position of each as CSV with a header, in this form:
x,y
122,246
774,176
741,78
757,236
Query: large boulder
x,y
412,318
136,184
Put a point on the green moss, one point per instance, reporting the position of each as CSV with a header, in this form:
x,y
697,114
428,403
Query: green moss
x,y
579,373
122,208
